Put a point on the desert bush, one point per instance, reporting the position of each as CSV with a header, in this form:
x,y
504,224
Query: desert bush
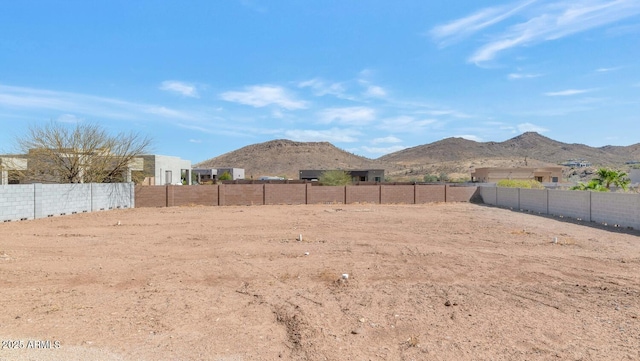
x,y
225,176
335,178
520,183
430,178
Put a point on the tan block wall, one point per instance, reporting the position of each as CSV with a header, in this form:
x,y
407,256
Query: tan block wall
x,y
362,194
241,194
429,193
460,194
325,194
203,195
285,193
151,196
397,194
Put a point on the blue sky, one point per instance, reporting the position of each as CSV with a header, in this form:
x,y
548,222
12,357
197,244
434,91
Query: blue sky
x,y
203,78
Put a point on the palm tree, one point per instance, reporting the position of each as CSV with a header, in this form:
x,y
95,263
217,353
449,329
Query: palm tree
x,y
608,177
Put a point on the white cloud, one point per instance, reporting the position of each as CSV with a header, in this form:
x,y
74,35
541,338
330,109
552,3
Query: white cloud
x,y
349,115
187,90
405,124
606,70
82,104
543,21
475,138
389,139
475,22
259,96
375,91
516,76
329,135
197,141
528,127
567,92
69,118
166,112
321,88
383,151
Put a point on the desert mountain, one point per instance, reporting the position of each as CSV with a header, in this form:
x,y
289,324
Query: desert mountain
x,y
286,158
456,157
530,145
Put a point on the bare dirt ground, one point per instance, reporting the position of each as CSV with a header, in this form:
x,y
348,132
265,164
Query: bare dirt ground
x,y
425,282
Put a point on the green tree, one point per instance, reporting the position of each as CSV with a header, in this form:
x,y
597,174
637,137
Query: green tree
x,y
335,178
592,185
604,180
79,153
610,177
225,176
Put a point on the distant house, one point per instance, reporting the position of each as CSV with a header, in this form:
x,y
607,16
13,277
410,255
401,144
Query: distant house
x,y
212,174
579,163
34,168
164,169
364,175
492,175
10,168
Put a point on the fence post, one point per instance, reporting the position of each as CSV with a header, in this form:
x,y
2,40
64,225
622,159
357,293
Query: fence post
x,y
37,200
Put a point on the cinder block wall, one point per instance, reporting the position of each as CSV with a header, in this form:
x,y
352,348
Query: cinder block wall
x,y
285,194
489,195
459,194
153,196
205,195
60,199
430,193
241,194
397,194
508,197
616,208
112,195
534,200
16,202
29,201
574,204
325,194
362,194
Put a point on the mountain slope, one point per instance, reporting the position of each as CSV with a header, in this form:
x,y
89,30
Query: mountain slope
x,y
286,158
530,145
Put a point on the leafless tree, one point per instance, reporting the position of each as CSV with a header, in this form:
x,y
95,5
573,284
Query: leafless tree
x,y
79,153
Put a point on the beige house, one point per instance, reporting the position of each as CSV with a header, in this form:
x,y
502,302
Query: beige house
x,y
492,175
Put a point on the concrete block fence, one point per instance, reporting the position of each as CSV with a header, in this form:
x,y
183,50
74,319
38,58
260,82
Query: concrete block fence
x,y
622,209
305,193
31,201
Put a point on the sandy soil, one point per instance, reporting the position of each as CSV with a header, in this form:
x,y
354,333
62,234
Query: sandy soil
x,y
425,282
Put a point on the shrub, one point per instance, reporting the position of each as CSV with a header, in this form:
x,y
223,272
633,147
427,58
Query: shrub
x,y
225,176
520,183
335,178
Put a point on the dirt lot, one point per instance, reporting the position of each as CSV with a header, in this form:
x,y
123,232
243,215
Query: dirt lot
x,y
425,282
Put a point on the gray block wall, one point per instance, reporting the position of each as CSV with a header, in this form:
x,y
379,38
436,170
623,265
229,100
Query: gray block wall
x,y
16,202
535,200
573,204
61,199
30,201
616,208
622,209
508,197
489,195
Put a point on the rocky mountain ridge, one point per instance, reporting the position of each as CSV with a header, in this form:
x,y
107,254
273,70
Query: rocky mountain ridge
x,y
456,157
